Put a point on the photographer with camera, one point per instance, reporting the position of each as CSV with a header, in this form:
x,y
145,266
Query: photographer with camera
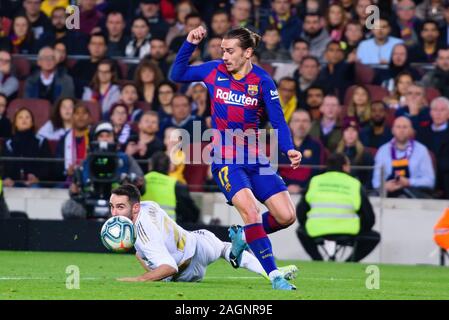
x,y
104,168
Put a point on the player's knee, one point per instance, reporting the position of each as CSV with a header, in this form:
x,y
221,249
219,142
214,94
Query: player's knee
x,y
250,214
288,218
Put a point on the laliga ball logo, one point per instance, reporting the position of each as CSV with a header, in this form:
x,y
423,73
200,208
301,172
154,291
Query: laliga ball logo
x,y
117,234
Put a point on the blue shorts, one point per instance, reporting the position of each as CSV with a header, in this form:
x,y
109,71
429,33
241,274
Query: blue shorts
x,y
232,178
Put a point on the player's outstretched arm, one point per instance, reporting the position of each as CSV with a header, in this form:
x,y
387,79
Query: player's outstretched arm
x,y
181,71
159,273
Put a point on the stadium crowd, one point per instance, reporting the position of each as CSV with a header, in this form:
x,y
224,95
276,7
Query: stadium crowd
x,y
377,92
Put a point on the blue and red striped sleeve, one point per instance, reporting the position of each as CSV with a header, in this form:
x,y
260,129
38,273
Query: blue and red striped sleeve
x,y
275,115
181,70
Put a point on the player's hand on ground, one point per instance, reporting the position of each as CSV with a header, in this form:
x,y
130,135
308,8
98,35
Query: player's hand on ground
x,y
295,158
130,279
196,35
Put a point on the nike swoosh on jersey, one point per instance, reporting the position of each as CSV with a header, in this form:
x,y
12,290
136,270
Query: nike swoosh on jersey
x,y
222,79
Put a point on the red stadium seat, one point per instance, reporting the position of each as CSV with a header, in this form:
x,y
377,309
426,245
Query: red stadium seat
x,y
145,106
363,74
390,116
53,144
22,67
195,175
432,93
376,93
373,151
40,109
95,110
268,68
122,69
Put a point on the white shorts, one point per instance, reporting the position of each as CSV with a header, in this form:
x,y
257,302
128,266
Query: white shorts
x,y
208,249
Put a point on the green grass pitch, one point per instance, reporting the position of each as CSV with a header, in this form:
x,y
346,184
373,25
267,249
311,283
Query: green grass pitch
x,y
42,275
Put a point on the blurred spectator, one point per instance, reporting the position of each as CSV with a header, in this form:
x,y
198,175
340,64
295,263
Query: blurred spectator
x,y
438,78
337,74
406,163
183,8
198,93
8,82
74,144
60,120
150,10
407,26
129,96
61,57
353,35
444,30
159,54
315,34
270,47
360,105
116,37
177,157
139,46
426,50
287,97
147,78
416,107
182,118
74,41
20,39
378,50
147,143
165,93
399,62
434,137
48,6
336,21
349,6
431,9
377,132
306,76
90,17
220,23
5,124
299,50
361,14
213,49
311,149
118,116
328,130
241,15
103,88
314,99
38,20
193,20
281,18
397,97
84,70
46,83
25,143
352,147
173,196
10,8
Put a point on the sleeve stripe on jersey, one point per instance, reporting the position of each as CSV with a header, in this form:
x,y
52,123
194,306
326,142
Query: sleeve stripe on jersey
x,y
142,233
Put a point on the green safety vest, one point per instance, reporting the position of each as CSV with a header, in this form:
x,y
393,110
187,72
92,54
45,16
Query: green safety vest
x,y
160,188
334,199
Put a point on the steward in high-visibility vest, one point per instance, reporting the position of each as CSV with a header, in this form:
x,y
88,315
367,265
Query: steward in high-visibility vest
x,y
4,212
170,194
336,204
441,231
160,188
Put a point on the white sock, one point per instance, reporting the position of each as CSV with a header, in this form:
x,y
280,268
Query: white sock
x,y
249,261
273,274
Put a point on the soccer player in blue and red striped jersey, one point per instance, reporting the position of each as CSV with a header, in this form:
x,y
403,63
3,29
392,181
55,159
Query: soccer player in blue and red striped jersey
x,y
240,92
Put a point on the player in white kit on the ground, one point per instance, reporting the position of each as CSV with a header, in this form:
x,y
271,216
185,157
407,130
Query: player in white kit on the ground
x,y
167,251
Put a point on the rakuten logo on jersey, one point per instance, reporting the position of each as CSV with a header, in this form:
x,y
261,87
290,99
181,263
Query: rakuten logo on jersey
x,y
240,99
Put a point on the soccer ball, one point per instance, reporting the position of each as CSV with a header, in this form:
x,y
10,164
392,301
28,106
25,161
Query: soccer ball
x,y
117,234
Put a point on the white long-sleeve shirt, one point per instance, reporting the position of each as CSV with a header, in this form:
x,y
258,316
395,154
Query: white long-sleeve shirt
x,y
419,164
